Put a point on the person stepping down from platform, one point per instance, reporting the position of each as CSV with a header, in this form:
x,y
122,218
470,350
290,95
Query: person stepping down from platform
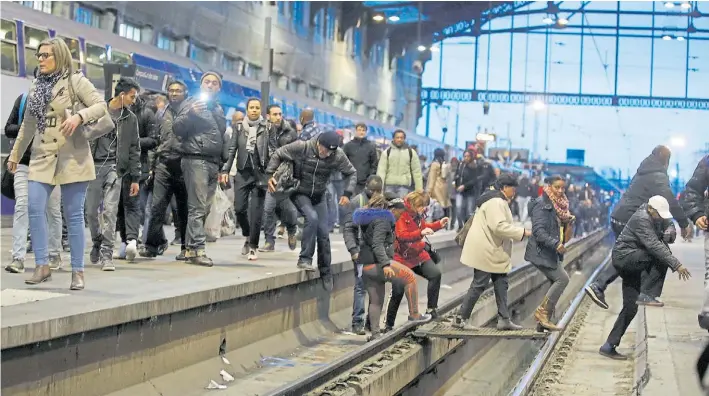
x,y
376,250
488,250
639,249
313,162
696,204
552,229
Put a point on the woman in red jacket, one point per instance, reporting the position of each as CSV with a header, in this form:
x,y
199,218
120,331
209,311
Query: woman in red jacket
x,y
409,249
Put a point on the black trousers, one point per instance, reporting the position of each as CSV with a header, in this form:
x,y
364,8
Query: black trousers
x,y
249,198
128,219
427,270
374,280
168,183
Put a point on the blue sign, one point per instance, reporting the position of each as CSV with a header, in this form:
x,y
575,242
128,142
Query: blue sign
x,y
575,156
151,79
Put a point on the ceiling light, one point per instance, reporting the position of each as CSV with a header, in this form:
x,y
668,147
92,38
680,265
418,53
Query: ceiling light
x,y
666,37
562,21
378,17
669,4
538,105
421,48
394,18
686,5
680,38
435,48
547,20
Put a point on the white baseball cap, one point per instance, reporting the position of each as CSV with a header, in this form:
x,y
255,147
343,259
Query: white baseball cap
x,y
660,204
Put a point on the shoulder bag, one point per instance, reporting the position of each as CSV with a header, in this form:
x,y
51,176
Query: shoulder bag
x,y
91,130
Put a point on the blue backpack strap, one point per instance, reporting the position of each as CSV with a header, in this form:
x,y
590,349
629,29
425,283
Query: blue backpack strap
x,y
22,106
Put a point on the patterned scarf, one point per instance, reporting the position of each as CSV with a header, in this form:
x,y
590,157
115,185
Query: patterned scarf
x,y
41,97
251,128
561,204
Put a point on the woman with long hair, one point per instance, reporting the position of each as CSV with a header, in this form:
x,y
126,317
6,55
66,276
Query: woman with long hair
x,y
59,156
466,182
552,228
437,181
376,224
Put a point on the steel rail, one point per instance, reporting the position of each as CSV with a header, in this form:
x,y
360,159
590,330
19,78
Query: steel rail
x,y
324,374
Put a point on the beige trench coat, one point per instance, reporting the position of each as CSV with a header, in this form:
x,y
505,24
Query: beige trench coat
x,y
55,159
437,183
488,245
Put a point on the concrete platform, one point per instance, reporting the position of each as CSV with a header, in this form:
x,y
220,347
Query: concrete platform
x,y
664,342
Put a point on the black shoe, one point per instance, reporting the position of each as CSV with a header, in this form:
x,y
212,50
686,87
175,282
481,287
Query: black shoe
x,y
292,241
95,254
267,247
147,252
304,265
609,351
597,295
703,321
181,256
433,312
327,282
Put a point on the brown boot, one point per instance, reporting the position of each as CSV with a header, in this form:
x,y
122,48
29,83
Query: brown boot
x,y
77,281
542,316
42,273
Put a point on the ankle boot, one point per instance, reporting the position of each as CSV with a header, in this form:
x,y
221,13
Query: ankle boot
x,y
542,316
42,273
507,324
77,281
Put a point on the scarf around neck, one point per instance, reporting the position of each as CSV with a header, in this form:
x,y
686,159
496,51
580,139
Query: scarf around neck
x,y
251,128
560,203
38,102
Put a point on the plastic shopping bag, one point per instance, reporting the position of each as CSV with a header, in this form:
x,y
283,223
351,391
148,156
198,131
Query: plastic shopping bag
x,y
229,223
220,205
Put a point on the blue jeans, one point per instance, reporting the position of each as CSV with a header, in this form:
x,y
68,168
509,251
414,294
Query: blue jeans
x,y
360,294
73,196
314,230
465,205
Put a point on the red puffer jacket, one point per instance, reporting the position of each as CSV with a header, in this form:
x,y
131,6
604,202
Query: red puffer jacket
x,y
409,244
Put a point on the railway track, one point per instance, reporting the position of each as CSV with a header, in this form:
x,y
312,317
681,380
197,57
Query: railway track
x,y
404,362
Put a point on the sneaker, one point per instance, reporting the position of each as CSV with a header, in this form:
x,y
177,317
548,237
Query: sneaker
x,y
17,266
359,330
95,254
201,259
462,324
121,253
281,231
107,264
425,318
387,329
597,295
327,282
55,262
252,255
507,324
131,250
433,312
644,299
182,256
245,249
609,351
267,247
292,241
305,265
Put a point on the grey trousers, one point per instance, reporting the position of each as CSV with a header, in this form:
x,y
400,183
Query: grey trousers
x,y
106,189
705,308
201,182
559,280
500,284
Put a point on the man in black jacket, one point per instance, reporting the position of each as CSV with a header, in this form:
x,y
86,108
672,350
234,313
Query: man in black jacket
x,y
250,146
199,126
639,249
313,162
117,159
168,179
362,153
282,134
351,235
696,205
650,179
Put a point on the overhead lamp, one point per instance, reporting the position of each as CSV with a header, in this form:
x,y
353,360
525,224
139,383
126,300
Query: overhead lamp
x,y
378,17
547,20
421,48
435,48
686,5
680,38
485,137
538,105
666,37
562,21
669,4
394,18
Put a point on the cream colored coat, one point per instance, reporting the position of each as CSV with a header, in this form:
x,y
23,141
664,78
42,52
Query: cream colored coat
x,y
55,159
488,245
437,183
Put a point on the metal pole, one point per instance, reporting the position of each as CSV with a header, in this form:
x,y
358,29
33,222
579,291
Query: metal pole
x,y
617,52
428,116
457,118
652,48
267,63
535,134
686,69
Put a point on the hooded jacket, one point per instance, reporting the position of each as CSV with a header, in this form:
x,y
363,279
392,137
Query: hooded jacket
x,y
126,139
12,128
201,135
313,171
640,243
547,234
409,246
362,153
148,129
488,245
694,201
350,232
377,229
650,179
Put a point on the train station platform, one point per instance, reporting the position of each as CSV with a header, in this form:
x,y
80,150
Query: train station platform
x,y
664,342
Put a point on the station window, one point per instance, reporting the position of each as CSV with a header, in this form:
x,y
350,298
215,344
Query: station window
x,y
330,24
319,26
121,57
129,31
199,54
8,31
229,63
299,18
75,50
166,43
357,42
44,6
87,16
33,37
95,58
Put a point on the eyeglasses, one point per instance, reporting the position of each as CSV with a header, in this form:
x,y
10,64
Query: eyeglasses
x,y
44,55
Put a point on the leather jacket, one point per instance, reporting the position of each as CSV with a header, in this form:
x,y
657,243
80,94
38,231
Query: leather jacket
x,y
236,147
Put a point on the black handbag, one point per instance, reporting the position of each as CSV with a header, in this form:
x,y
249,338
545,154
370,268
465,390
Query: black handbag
x,y
8,181
435,256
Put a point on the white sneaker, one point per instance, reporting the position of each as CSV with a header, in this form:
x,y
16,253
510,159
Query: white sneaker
x,y
121,253
252,255
131,250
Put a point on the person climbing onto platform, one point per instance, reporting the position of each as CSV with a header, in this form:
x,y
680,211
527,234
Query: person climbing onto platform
x,y
488,249
696,205
415,253
639,249
552,228
376,251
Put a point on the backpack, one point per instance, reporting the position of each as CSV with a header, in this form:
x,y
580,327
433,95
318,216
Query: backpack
x,y
23,101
